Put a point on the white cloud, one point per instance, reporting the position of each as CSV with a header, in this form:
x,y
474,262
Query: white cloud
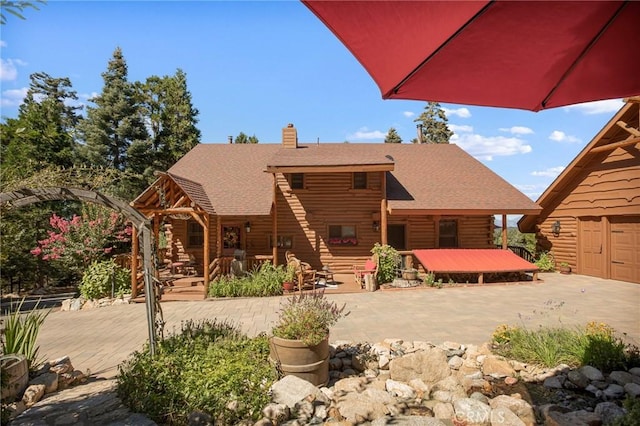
x,y
487,147
13,97
365,134
8,70
460,112
517,130
408,114
550,172
458,128
3,43
598,107
560,136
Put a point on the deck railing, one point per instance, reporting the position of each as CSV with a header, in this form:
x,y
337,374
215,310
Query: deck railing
x,y
222,265
520,251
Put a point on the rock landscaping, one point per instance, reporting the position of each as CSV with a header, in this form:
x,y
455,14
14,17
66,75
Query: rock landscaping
x,y
80,303
418,383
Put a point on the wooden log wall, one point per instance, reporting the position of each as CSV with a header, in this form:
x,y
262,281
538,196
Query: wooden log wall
x,y
608,186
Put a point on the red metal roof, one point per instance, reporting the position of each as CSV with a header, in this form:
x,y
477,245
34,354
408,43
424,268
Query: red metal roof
x,y
472,260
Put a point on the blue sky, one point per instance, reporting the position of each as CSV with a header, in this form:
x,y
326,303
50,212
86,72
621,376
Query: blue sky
x,y
253,67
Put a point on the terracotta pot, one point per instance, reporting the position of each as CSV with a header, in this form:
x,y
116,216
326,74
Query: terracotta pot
x,y
288,286
293,357
565,270
18,376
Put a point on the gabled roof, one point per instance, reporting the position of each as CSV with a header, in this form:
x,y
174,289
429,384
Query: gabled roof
x,y
611,136
231,179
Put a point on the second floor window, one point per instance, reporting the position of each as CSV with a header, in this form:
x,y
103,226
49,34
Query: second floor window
x,y
297,181
360,180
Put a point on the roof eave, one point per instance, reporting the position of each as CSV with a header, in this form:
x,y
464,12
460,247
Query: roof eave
x,y
461,212
330,168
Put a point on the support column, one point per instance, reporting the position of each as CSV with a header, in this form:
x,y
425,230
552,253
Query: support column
x,y
135,249
383,209
274,213
504,232
156,235
219,236
436,230
206,253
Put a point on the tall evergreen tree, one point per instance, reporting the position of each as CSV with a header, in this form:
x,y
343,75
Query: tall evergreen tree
x,y
42,134
434,124
115,122
242,138
392,136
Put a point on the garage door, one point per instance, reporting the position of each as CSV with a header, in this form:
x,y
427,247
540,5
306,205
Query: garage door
x,y
625,248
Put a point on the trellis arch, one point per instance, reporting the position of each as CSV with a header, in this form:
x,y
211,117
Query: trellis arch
x,y
26,196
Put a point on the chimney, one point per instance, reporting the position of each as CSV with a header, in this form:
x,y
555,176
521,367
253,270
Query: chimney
x,y
230,138
420,136
289,137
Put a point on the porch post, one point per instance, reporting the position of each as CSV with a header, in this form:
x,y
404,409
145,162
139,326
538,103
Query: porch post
x,y
156,234
274,230
383,209
134,261
504,232
436,231
219,236
206,253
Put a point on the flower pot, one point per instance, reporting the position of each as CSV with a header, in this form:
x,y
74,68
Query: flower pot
x,y
17,376
288,286
565,270
293,357
410,274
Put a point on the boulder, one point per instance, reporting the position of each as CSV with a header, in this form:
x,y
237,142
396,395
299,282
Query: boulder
x,y
573,418
399,389
502,416
472,411
614,391
609,411
371,404
291,389
518,406
622,377
49,380
578,379
497,367
632,389
591,373
443,410
33,394
429,365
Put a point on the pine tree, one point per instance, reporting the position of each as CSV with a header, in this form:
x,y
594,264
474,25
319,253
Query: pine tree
x,y
242,138
115,122
392,136
434,124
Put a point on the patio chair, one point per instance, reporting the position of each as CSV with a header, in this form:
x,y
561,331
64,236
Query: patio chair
x,y
306,275
370,268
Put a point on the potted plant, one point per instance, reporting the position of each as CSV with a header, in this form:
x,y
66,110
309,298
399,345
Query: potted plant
x,y
288,284
300,339
565,268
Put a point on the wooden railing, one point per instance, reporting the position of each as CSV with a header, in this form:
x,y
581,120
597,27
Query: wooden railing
x,y
221,266
520,251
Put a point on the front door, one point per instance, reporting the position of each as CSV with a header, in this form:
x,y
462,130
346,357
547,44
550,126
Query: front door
x,y
591,260
396,237
625,249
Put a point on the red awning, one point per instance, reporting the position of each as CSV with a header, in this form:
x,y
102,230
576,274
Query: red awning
x,y
472,260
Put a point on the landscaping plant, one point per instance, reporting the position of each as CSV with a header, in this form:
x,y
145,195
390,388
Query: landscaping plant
x,y
307,317
388,260
20,333
546,262
265,281
208,366
101,278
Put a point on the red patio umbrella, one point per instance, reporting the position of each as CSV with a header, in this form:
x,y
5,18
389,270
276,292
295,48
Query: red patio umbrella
x,y
515,54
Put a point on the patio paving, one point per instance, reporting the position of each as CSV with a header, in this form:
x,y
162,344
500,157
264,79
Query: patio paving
x,y
99,339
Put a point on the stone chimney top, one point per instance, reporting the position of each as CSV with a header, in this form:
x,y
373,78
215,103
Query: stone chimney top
x,y
289,137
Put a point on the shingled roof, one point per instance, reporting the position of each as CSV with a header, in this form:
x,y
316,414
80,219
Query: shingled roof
x,y
231,179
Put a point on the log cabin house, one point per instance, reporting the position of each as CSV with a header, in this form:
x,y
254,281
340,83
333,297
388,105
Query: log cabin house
x,y
329,203
590,214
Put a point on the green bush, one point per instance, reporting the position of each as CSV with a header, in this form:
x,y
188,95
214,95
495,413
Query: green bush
x,y
20,333
98,279
209,367
388,261
546,262
265,281
595,344
632,417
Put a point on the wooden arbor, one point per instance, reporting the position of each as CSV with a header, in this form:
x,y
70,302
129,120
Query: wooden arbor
x,y
176,198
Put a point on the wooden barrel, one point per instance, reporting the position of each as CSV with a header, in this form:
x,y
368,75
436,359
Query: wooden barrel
x,y
17,370
310,363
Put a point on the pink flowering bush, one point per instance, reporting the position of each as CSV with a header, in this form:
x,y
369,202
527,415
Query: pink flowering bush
x,y
81,240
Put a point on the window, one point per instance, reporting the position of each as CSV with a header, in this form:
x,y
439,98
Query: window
x,y
297,181
283,241
342,235
448,233
360,180
195,234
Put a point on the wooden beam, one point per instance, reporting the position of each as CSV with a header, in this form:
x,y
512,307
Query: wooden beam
x,y
274,222
383,210
612,146
218,236
436,224
206,255
134,262
504,232
180,201
628,128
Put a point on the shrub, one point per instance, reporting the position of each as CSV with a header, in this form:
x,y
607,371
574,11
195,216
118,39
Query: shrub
x,y
632,416
101,278
307,317
20,333
546,262
388,261
209,366
265,281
